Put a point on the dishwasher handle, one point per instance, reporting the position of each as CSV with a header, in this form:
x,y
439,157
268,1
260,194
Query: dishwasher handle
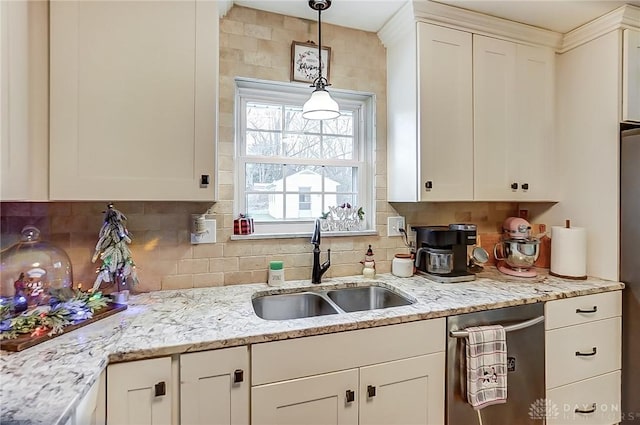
x,y
510,328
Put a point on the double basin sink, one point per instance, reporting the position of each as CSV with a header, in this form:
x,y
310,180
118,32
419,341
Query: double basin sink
x,y
320,303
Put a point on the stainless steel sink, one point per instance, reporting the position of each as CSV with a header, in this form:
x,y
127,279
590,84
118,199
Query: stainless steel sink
x,y
292,306
366,298
310,304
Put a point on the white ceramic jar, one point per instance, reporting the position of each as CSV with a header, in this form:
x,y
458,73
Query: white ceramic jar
x,y
402,265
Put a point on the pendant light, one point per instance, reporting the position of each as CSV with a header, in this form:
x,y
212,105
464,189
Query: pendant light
x,y
320,105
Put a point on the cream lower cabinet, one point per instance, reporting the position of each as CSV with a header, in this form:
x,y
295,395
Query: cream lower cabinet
x,y
140,392
583,359
214,387
388,375
133,100
208,387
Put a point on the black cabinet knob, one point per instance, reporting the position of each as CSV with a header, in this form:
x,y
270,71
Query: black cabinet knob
x,y
238,376
428,185
350,396
514,186
525,186
160,389
204,179
371,391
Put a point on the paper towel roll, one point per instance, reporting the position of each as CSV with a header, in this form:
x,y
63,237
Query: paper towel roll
x,y
569,252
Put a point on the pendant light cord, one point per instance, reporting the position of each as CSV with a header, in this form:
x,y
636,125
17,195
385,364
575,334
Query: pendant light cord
x,y
320,42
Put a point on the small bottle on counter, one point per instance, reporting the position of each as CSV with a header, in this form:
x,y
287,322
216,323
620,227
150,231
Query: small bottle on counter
x,y
276,273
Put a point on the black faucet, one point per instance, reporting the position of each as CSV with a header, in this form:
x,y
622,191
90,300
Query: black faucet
x,y
318,270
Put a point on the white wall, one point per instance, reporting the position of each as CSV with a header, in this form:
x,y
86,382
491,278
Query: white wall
x,y
588,83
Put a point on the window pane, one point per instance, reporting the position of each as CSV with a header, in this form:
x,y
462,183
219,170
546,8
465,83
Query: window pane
x,y
343,125
293,121
263,143
340,179
263,117
305,176
267,177
337,199
338,147
302,210
301,146
265,207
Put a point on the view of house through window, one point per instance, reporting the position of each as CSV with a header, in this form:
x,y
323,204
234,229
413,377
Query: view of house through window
x,y
292,169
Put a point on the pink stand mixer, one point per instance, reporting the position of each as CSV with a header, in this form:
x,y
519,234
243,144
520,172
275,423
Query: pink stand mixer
x,y
518,250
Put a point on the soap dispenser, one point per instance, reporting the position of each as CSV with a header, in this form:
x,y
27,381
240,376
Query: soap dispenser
x,y
369,269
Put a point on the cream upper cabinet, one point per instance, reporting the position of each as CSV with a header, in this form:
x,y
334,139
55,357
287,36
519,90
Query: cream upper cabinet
x,y
214,387
513,120
133,100
445,115
140,392
631,75
24,109
430,135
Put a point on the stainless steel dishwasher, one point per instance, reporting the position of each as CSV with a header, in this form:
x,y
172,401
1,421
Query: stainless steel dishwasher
x,y
525,363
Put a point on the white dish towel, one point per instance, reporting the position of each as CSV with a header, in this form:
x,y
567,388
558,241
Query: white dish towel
x,y
486,354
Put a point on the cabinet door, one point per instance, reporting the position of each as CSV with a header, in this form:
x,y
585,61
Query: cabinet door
x,y
214,387
320,399
532,166
631,75
134,392
403,392
445,114
495,118
24,100
133,99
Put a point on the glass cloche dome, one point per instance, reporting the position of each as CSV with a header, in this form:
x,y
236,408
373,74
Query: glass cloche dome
x,y
32,267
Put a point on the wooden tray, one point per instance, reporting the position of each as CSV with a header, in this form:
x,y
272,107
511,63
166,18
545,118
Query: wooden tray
x,y
25,341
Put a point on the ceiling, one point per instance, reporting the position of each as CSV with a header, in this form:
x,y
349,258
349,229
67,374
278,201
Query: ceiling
x,y
370,15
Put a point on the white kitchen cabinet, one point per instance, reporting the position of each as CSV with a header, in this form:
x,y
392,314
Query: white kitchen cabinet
x,y
347,378
408,391
214,387
631,75
513,120
24,109
430,147
92,408
583,359
133,100
329,398
140,392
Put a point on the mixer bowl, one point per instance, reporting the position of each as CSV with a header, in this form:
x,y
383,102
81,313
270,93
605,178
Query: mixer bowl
x,y
517,253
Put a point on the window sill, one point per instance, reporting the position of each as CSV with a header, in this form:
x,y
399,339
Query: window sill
x,y
255,236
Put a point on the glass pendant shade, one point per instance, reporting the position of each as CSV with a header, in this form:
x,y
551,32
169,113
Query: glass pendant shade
x,y
320,106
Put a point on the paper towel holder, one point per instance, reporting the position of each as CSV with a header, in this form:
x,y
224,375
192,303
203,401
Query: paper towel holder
x,y
567,225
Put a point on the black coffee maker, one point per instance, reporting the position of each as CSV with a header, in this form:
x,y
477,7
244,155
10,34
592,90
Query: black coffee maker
x,y
441,252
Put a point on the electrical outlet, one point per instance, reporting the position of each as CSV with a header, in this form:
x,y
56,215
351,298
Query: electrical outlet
x,y
394,224
207,234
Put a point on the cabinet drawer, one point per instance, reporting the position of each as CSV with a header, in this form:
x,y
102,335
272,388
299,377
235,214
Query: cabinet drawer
x,y
327,353
598,398
582,351
573,311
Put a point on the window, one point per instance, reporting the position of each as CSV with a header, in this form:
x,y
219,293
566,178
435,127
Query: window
x,y
290,170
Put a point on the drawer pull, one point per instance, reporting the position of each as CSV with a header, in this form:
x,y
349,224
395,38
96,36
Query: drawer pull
x,y
160,389
588,411
238,376
371,391
593,310
351,396
592,353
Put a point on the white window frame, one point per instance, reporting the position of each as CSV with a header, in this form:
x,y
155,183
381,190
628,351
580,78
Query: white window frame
x,y
363,107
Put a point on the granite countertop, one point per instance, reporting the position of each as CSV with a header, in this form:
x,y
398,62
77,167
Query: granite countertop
x,y
43,384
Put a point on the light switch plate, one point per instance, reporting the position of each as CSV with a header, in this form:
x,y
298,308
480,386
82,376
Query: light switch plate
x,y
394,224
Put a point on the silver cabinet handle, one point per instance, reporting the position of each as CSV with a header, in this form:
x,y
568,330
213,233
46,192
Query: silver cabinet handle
x,y
511,328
